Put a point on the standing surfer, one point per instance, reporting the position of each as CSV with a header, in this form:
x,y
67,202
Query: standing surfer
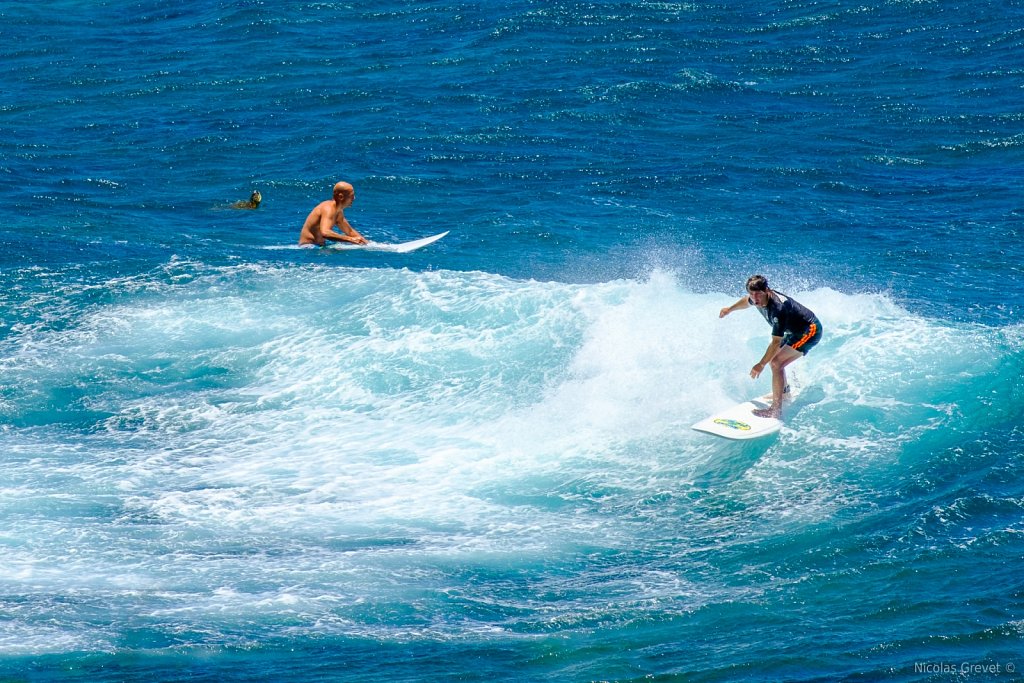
x,y
795,331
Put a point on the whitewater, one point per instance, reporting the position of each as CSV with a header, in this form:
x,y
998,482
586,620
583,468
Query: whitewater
x,y
453,458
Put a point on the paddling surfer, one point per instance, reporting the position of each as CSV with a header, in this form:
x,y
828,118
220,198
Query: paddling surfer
x,y
795,331
325,216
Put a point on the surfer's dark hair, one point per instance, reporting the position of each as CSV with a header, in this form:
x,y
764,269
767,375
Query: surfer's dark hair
x,y
757,283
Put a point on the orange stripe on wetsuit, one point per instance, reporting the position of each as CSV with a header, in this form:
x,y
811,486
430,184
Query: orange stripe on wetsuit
x,y
811,331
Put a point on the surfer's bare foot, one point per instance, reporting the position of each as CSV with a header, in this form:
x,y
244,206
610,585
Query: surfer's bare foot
x,y
768,412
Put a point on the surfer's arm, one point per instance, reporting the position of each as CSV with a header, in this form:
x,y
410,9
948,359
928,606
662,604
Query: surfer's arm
x,y
348,231
354,235
739,305
334,236
328,232
773,348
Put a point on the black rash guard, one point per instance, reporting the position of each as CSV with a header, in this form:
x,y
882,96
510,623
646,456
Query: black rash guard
x,y
791,320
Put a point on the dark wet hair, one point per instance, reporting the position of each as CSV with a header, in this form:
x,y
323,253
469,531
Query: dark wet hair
x,y
757,283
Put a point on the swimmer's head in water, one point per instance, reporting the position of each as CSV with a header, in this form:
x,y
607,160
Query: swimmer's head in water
x,y
254,201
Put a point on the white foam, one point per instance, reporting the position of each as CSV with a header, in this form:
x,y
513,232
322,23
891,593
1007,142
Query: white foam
x,y
305,431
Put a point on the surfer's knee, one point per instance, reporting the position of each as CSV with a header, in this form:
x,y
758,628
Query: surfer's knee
x,y
785,356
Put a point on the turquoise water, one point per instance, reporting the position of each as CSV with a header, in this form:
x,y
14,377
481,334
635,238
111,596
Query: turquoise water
x,y
229,459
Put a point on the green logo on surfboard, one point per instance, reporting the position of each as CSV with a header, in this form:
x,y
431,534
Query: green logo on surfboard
x,y
732,424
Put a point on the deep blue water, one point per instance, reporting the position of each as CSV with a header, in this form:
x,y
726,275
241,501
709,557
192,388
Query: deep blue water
x,y
226,458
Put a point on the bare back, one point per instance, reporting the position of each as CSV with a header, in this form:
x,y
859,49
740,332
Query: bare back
x,y
314,228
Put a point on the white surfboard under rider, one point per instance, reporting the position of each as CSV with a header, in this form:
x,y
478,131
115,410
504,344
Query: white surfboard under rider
x,y
740,423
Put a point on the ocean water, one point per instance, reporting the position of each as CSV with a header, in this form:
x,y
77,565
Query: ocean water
x,y
229,459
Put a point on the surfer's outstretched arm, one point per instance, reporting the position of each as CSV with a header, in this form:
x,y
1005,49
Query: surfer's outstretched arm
x,y
740,304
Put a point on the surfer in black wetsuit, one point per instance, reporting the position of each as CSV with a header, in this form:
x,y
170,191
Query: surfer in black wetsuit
x,y
795,331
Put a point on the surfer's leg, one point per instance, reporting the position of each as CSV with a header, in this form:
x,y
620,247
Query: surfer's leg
x,y
785,356
778,385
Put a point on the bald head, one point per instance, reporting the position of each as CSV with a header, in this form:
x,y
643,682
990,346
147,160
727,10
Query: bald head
x,y
343,190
